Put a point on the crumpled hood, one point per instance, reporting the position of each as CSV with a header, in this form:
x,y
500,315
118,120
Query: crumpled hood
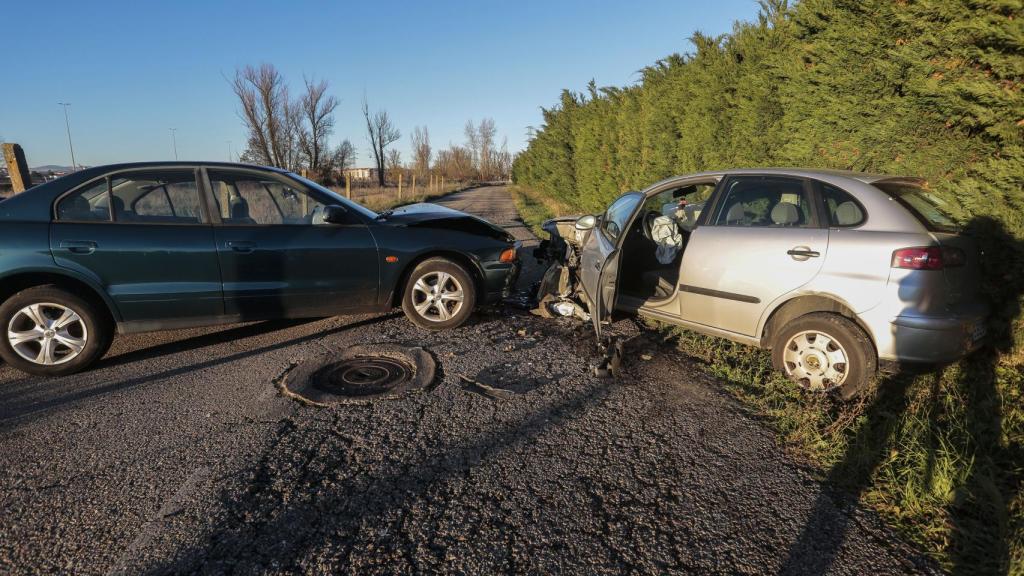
x,y
426,215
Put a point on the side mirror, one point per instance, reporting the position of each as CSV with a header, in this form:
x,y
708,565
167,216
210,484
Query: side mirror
x,y
586,222
335,214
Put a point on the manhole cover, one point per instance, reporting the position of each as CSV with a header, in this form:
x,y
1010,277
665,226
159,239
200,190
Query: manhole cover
x,y
359,374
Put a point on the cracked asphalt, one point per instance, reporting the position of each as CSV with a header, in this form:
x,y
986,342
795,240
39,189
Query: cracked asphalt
x,y
177,454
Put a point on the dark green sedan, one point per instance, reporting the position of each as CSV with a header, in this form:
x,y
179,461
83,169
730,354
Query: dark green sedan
x,y
155,246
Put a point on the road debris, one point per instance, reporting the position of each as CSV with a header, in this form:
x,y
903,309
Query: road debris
x,y
359,374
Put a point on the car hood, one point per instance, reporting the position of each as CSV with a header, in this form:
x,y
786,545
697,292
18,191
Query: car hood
x,y
425,215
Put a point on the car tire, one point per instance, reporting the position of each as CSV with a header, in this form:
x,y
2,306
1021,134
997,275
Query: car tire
x,y
36,313
824,352
433,308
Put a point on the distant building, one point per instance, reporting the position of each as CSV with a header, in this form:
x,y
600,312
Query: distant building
x,y
361,174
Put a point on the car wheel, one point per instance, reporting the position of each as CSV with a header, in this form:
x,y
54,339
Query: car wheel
x,y
439,294
51,332
825,353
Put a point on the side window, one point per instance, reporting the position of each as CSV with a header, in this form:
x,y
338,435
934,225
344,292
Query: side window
x,y
683,204
243,198
157,197
86,205
615,218
765,202
841,208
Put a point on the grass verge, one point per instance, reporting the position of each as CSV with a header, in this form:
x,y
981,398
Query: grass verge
x,y
535,208
940,455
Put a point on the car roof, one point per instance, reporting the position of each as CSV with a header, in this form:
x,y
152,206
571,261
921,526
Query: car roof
x,y
175,163
819,173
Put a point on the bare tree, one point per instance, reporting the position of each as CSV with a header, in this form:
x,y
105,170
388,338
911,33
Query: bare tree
x,y
503,161
455,163
394,163
382,133
341,158
267,114
318,115
421,152
485,148
472,143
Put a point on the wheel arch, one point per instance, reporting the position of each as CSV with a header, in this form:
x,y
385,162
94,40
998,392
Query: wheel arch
x,y
465,260
802,305
15,282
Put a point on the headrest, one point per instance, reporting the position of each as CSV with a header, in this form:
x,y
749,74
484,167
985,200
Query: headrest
x,y
785,214
847,214
737,213
239,208
76,208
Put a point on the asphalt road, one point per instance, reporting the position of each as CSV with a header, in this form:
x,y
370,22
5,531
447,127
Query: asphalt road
x,y
178,455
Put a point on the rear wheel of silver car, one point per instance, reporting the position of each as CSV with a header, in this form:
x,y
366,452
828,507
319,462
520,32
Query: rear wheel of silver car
x,y
439,294
51,332
824,352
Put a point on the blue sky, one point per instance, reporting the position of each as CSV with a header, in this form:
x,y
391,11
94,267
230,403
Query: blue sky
x,y
133,70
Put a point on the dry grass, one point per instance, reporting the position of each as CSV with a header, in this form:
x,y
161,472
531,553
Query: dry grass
x,y
377,198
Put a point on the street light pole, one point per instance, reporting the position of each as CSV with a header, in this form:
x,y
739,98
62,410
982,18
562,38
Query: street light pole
x,y
174,142
67,125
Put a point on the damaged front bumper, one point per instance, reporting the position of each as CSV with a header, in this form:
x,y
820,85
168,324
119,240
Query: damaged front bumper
x,y
560,292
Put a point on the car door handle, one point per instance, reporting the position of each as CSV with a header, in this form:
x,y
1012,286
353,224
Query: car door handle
x,y
79,246
803,253
242,246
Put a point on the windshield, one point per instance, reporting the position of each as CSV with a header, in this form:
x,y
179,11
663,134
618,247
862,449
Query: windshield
x,y
341,199
931,210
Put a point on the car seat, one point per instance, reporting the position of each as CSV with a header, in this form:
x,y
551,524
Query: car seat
x,y
76,208
736,215
847,214
785,214
240,211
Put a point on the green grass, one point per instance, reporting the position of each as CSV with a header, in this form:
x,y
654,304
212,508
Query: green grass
x,y
940,456
534,208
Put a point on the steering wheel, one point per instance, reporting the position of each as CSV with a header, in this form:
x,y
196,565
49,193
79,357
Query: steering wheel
x,y
648,224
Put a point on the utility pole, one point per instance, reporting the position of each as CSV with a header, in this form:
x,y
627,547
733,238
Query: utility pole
x,y
174,142
231,157
67,124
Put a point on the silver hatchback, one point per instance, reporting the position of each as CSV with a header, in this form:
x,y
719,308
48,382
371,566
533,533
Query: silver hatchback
x,y
834,272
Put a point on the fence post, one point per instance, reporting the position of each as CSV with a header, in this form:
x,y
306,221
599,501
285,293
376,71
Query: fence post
x,y
17,167
348,186
414,184
442,184
399,186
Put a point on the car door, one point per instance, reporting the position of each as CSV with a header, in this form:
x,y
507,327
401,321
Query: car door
x,y
761,241
279,258
145,237
599,256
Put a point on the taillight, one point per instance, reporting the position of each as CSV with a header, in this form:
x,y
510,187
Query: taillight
x,y
928,258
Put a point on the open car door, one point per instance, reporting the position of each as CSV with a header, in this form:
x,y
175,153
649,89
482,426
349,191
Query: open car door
x,y
599,257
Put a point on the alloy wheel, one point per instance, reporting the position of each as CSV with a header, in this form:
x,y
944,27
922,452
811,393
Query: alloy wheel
x,y
437,296
47,334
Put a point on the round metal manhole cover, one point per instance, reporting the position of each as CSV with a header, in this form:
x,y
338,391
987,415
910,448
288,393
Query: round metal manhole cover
x,y
359,374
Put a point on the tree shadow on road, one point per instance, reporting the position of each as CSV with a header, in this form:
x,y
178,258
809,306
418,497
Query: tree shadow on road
x,y
260,529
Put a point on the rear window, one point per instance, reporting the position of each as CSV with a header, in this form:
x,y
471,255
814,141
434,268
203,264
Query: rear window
x,y
932,211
